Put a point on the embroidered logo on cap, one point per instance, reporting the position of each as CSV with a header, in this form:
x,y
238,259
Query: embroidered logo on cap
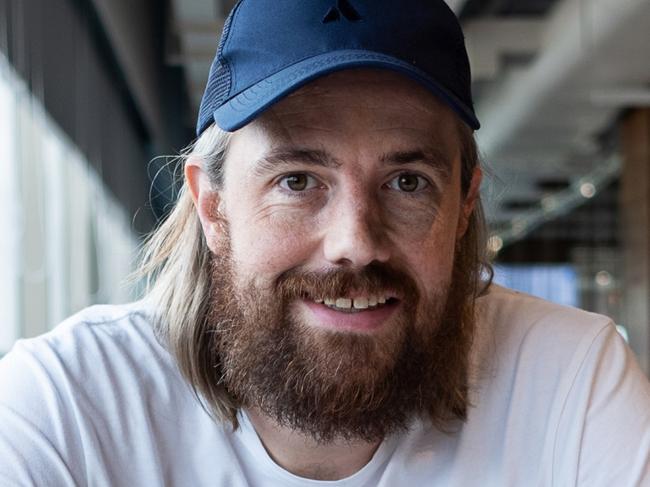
x,y
343,8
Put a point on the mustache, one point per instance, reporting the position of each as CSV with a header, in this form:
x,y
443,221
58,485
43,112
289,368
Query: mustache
x,y
374,279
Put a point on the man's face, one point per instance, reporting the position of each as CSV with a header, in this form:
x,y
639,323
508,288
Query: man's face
x,y
342,209
390,192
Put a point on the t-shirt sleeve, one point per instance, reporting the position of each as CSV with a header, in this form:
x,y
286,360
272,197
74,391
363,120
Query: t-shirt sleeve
x,y
39,443
603,438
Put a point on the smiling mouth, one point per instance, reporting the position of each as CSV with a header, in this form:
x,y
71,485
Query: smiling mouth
x,y
355,311
356,304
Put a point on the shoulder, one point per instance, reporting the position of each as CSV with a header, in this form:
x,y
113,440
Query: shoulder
x,y
99,393
95,332
63,392
519,318
98,323
524,341
503,303
554,379
100,350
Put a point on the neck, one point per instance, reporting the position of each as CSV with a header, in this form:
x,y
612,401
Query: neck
x,y
303,456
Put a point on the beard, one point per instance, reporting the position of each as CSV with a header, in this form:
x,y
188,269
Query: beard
x,y
341,385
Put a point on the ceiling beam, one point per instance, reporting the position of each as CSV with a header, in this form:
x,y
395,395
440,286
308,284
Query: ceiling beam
x,y
490,41
570,46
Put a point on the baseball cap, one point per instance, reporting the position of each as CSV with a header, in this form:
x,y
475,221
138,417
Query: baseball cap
x,y
270,48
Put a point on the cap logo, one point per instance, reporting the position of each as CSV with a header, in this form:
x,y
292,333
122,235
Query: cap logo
x,y
343,8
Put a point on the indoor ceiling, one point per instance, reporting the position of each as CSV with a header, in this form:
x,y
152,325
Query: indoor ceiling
x,y
551,79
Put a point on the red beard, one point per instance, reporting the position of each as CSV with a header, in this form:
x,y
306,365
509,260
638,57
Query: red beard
x,y
341,385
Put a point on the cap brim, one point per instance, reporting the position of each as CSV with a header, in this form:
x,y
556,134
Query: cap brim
x,y
246,106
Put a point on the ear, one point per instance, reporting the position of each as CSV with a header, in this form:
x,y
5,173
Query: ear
x,y
206,201
469,202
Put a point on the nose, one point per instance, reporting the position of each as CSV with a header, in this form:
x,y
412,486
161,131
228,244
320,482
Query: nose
x,y
355,234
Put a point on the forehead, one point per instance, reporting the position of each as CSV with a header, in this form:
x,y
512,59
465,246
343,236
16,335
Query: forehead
x,y
369,83
362,102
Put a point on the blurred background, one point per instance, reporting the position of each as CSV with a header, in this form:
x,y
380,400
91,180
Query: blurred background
x,y
93,91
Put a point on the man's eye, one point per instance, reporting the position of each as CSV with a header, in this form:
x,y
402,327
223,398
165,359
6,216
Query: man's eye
x,y
298,182
408,183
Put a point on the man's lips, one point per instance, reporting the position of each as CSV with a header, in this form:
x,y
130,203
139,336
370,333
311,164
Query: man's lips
x,y
360,314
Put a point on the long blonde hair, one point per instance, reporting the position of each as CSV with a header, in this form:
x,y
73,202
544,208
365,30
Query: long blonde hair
x,y
176,268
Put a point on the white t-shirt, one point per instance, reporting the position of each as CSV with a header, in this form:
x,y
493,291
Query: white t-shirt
x,y
558,400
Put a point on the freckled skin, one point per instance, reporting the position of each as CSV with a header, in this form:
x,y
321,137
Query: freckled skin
x,y
353,214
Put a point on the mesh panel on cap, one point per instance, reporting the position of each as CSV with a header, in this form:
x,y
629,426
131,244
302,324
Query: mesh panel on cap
x,y
216,92
219,84
220,78
226,30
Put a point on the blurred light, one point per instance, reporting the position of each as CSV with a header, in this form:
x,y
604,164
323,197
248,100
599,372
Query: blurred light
x,y
519,227
588,190
603,279
495,244
549,204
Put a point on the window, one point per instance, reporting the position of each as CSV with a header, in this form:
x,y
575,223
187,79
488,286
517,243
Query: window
x,y
557,283
65,241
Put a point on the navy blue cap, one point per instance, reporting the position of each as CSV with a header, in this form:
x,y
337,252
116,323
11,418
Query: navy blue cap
x,y
269,48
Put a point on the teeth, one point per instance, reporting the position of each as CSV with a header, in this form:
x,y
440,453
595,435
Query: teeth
x,y
344,303
360,303
356,303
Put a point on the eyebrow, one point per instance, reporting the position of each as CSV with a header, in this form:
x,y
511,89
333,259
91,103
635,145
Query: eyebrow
x,y
432,157
285,156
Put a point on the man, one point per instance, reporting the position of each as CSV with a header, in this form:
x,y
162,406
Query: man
x,y
321,304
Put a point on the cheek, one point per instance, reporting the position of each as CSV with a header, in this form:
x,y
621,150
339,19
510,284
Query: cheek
x,y
266,242
414,222
432,263
430,254
423,219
